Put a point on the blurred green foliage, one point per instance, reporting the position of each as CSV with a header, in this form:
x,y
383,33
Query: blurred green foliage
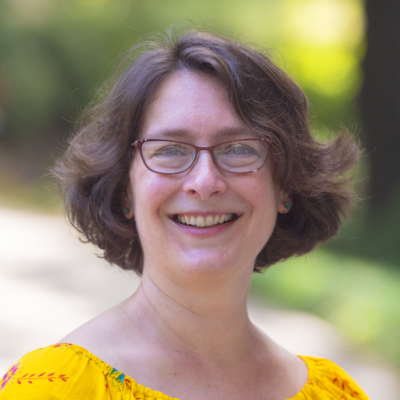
x,y
360,297
374,236
53,55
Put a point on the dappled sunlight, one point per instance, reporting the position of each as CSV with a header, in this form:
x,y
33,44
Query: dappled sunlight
x,y
321,41
318,41
323,22
328,71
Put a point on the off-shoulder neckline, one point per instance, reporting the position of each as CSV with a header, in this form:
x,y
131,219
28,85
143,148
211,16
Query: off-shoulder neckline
x,y
154,393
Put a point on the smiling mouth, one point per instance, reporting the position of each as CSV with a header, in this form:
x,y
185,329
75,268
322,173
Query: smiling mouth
x,y
204,222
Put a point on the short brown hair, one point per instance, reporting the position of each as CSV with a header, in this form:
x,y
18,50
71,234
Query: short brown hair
x,y
94,172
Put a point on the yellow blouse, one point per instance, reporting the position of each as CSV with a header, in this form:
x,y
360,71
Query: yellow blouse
x,y
67,371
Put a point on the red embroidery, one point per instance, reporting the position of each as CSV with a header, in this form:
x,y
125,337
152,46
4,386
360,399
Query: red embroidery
x,y
345,386
49,377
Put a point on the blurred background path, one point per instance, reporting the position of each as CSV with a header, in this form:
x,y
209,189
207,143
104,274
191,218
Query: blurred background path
x,y
50,283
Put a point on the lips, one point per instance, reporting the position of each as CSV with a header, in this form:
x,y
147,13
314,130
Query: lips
x,y
204,221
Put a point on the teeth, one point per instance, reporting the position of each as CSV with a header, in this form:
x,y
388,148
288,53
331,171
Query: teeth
x,y
209,220
202,222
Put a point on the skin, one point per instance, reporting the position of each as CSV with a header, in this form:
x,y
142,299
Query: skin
x,y
186,332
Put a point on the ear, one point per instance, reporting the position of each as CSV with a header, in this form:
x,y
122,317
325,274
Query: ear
x,y
127,203
285,203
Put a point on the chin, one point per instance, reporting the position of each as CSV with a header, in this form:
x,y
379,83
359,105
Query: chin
x,y
210,264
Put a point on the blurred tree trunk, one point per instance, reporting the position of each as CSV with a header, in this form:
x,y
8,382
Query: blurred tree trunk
x,y
380,99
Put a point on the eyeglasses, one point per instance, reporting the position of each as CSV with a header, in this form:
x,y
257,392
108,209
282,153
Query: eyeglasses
x,y
172,157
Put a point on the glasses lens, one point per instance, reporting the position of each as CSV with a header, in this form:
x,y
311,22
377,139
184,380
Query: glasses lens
x,y
241,156
167,157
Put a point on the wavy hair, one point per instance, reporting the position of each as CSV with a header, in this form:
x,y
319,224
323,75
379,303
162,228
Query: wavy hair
x,y
94,172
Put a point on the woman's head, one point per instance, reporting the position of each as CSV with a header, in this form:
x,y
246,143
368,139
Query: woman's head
x,y
176,213
95,170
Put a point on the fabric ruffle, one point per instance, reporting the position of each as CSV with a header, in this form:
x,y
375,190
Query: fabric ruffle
x,y
327,381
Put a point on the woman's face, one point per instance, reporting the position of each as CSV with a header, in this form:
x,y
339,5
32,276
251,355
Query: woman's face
x,y
194,108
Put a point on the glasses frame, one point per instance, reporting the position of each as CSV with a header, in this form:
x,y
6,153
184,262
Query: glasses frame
x,y
139,144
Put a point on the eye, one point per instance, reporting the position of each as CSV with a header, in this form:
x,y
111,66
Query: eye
x,y
239,150
171,151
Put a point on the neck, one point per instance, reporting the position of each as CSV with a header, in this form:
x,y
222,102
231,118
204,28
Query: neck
x,y
203,317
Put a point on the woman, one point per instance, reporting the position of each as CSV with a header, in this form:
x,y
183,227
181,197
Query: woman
x,y
196,169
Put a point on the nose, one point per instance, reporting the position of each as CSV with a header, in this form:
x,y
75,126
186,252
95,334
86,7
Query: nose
x,y
204,179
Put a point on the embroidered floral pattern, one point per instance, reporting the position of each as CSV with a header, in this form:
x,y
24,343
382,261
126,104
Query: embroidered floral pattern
x,y
50,377
117,376
76,369
62,345
345,386
328,381
9,374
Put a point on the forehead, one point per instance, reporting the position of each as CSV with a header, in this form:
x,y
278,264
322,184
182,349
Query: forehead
x,y
193,105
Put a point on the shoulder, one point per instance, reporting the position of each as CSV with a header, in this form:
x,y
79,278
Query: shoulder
x,y
59,372
327,380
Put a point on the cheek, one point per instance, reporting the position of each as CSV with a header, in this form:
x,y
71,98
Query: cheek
x,y
261,193
146,200
150,193
263,199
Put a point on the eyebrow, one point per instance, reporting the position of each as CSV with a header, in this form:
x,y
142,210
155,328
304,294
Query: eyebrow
x,y
182,133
